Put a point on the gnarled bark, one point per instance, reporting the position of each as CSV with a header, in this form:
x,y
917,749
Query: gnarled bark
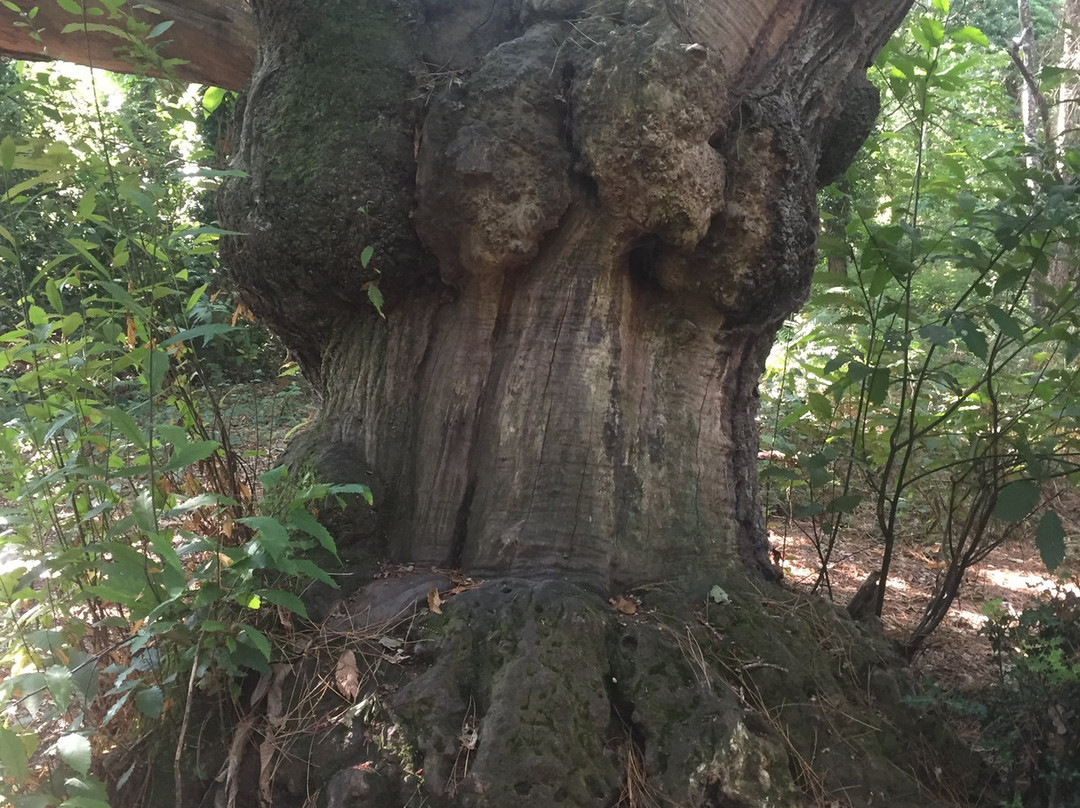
x,y
588,218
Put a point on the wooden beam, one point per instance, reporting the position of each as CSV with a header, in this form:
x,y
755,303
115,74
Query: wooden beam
x,y
215,38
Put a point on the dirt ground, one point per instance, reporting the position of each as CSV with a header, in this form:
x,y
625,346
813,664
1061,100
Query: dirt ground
x,y
956,655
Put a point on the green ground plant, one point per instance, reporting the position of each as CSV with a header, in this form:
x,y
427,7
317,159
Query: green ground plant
x,y
1027,720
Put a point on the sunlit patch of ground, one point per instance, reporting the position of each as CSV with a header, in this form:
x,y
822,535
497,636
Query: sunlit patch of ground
x,y
956,655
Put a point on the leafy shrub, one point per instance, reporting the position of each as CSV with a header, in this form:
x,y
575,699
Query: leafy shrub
x,y
929,384
1031,719
136,568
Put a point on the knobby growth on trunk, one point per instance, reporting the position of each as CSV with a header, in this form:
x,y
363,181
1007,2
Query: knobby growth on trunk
x,y
589,219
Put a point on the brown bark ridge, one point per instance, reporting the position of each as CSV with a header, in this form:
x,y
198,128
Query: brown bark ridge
x,y
589,219
209,42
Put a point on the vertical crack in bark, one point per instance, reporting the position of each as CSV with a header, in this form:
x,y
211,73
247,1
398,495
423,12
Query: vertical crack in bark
x,y
629,739
547,404
751,537
697,444
581,490
461,524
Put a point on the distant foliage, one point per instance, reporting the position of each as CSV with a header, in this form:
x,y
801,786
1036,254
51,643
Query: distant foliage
x,y
999,21
923,386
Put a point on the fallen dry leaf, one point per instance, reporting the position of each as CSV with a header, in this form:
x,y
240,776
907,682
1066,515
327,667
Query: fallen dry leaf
x,y
624,604
434,602
347,676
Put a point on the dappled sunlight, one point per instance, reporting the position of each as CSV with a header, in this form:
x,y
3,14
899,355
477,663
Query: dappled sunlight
x,y
956,654
1018,580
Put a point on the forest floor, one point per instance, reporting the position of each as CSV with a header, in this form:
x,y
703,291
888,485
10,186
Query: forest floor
x,y
957,655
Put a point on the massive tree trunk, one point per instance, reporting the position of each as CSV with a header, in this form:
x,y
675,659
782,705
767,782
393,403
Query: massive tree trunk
x,y
589,220
589,217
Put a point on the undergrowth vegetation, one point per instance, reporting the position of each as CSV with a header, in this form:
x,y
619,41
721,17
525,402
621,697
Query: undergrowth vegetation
x,y
931,383
137,571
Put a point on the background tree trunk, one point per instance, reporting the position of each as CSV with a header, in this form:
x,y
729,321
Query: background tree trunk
x,y
588,221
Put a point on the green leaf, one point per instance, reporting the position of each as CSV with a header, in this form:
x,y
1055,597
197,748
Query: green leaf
x,y
845,503
1050,539
193,298
150,701
820,406
301,518
162,544
305,566
879,386
272,535
70,324
149,246
205,330
70,6
718,595
1005,322
272,477
58,680
155,367
212,99
972,35
365,256
95,27
836,363
376,298
353,488
126,425
13,756
186,453
287,600
74,749
52,292
257,639
7,153
86,205
84,674
245,656
808,509
937,334
160,29
972,337
1016,501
